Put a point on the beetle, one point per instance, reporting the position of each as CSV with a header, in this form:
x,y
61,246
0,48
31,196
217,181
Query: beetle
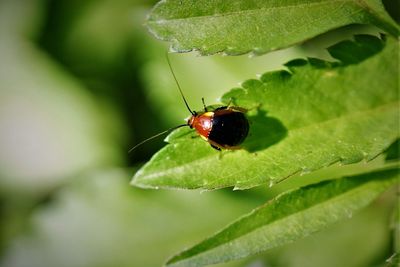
x,y
225,127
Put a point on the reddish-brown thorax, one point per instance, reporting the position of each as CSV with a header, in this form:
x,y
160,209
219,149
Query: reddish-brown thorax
x,y
202,123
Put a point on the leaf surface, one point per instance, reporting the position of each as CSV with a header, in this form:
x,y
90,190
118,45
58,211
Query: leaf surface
x,y
300,121
288,217
240,26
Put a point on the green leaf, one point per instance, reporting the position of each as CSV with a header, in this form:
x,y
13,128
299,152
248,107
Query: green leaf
x,y
240,26
288,217
300,121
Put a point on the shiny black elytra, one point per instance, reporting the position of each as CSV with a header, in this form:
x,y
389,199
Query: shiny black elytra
x,y
230,128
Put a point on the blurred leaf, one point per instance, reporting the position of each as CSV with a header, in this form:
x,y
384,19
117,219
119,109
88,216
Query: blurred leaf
x,y
239,26
110,69
300,121
288,217
74,26
51,128
100,221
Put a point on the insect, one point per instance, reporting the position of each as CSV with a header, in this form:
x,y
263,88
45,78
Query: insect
x,y
224,127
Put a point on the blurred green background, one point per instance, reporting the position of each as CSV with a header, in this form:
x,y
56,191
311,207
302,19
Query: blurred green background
x,y
83,81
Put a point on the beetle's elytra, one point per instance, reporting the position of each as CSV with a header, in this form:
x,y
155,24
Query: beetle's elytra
x,y
224,128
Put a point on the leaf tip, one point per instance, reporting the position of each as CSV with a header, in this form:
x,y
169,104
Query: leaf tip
x,y
140,182
134,181
296,63
251,84
279,74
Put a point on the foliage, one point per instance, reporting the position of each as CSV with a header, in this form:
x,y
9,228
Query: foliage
x,y
82,82
305,117
238,27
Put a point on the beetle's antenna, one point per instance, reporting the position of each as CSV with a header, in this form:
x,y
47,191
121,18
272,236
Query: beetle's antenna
x,y
157,135
179,87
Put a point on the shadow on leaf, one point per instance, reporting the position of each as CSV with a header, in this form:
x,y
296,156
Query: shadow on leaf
x,y
264,132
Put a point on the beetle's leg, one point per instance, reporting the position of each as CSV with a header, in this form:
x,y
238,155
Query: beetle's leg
x,y
215,147
243,110
204,104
